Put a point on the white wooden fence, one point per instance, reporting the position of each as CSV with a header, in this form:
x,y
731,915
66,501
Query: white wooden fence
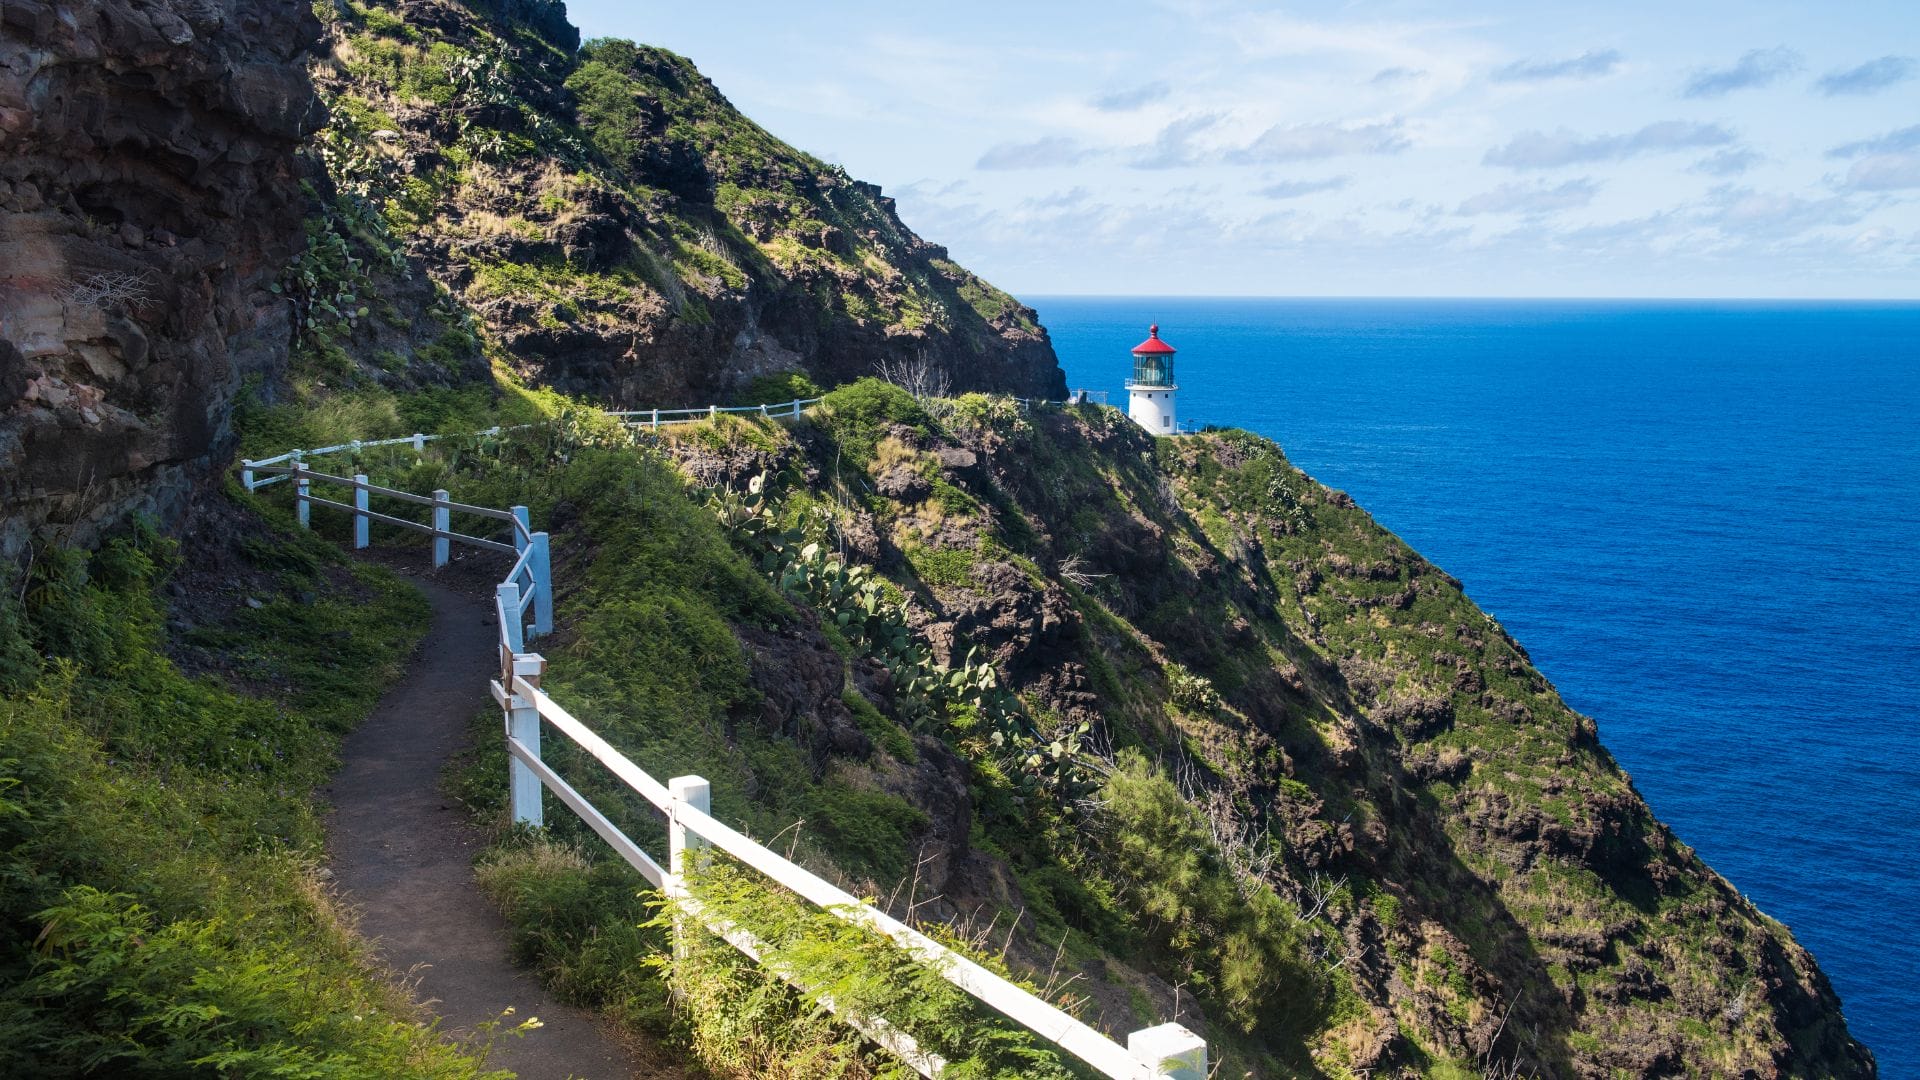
x,y
654,418
1166,1051
265,471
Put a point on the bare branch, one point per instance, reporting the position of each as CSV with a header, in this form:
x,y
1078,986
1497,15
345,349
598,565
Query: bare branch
x,y
920,376
107,289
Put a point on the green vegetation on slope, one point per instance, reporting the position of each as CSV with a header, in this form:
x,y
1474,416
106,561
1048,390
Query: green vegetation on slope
x,y
159,910
606,222
1309,795
684,654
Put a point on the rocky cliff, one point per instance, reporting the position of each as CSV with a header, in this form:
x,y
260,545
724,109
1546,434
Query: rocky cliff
x,y
179,211
610,225
1411,858
148,198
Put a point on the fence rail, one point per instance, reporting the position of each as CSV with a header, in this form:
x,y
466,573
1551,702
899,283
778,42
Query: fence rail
x,y
652,419
531,578
1166,1051
656,418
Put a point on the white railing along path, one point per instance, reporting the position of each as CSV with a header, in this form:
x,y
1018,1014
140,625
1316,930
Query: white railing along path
x,y
252,470
1166,1051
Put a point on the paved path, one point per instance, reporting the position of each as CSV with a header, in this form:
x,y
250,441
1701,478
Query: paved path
x,y
403,855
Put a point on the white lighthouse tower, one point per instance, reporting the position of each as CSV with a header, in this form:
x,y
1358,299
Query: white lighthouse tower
x,y
1150,391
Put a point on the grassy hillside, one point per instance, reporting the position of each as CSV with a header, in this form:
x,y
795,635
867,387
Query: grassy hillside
x,y
164,722
1163,726
600,219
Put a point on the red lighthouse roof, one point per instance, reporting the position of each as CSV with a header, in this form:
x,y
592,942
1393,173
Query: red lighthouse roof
x,y
1153,345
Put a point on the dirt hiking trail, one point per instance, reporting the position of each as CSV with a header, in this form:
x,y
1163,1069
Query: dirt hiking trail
x,y
403,856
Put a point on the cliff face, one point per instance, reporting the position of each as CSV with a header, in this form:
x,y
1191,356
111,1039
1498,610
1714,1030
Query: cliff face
x,y
148,197
615,228
1470,880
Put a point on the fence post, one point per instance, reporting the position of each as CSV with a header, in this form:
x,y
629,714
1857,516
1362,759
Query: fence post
x,y
302,510
362,524
542,566
697,793
796,408
419,442
763,408
521,534
508,594
713,411
523,724
656,420
246,474
1170,1051
442,524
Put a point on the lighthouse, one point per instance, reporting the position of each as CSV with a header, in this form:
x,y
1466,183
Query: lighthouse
x,y
1150,391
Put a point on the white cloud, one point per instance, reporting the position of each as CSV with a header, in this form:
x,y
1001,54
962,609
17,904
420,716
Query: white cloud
x,y
1395,75
1744,211
1306,142
1587,65
1885,172
1540,150
1757,67
1531,200
1132,98
1893,142
1732,161
1294,189
1870,77
1173,147
1051,152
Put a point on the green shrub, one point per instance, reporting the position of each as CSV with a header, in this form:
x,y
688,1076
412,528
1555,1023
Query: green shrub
x,y
157,914
608,99
778,388
1241,947
945,568
140,995
890,736
738,1015
577,919
1194,693
859,413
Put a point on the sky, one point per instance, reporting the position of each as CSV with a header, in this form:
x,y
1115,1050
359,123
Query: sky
x,y
1686,148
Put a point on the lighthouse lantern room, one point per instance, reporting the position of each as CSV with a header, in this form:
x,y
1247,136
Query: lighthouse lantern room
x,y
1150,390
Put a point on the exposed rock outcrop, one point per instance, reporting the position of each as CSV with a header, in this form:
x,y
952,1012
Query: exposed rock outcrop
x,y
621,231
148,197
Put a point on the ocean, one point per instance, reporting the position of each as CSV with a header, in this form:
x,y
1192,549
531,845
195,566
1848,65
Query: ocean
x,y
1700,518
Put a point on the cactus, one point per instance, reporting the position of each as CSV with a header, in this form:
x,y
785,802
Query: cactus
x,y
967,696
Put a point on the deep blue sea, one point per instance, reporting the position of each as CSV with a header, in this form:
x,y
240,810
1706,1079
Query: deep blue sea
x,y
1701,518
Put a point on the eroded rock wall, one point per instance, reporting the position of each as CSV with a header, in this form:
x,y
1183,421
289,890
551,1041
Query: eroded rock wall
x,y
149,195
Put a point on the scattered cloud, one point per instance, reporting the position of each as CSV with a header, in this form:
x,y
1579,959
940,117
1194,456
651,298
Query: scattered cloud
x,y
1587,65
1732,161
1541,150
1395,75
1307,142
1293,189
1885,172
1747,212
1051,152
1076,196
1531,199
1889,162
1132,98
1757,67
1173,147
1870,77
1893,142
